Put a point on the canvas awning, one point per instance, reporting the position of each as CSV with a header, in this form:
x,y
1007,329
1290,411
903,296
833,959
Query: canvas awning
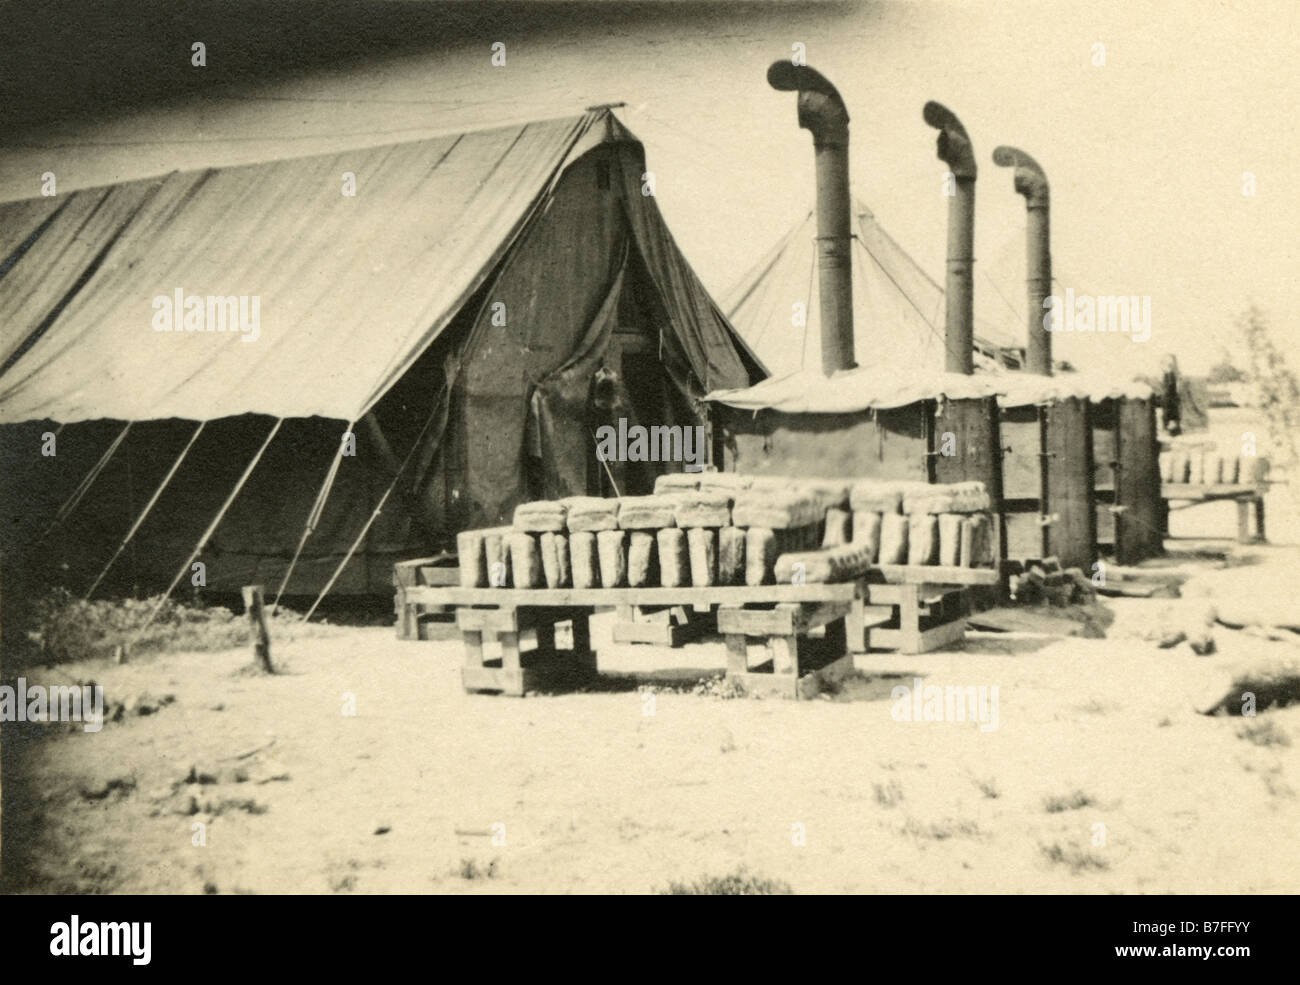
x,y
871,388
865,388
1019,389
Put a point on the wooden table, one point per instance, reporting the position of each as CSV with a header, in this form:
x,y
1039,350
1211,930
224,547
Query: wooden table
x,y
1245,496
906,608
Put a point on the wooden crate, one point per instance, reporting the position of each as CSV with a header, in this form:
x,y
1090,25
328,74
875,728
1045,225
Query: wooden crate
x,y
417,620
661,625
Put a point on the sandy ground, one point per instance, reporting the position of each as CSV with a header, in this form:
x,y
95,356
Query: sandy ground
x,y
1099,777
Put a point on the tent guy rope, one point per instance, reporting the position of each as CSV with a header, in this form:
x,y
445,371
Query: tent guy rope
x,y
379,508
203,540
73,501
148,507
313,518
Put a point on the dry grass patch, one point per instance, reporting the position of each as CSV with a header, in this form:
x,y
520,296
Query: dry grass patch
x,y
738,883
1068,802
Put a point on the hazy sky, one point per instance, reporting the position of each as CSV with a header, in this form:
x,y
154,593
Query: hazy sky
x,y
1146,154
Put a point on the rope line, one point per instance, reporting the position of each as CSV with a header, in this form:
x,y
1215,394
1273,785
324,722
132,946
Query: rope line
x,y
73,501
148,507
313,517
379,508
203,540
807,304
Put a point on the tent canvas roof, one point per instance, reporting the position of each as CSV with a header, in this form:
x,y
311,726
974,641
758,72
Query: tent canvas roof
x,y
898,310
351,289
898,315
807,391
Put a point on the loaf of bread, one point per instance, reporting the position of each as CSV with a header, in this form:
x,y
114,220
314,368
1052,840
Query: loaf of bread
x,y
674,482
591,513
646,512
583,559
555,559
540,516
702,509
830,564
731,556
674,569
611,547
774,509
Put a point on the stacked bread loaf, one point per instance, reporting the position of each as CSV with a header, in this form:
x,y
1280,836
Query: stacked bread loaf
x,y
728,529
918,523
1208,467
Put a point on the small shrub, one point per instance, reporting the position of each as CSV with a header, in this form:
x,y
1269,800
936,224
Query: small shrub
x,y
1076,858
738,883
719,686
1265,732
470,869
941,830
1069,802
63,628
889,794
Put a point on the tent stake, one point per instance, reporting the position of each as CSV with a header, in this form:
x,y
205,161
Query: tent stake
x,y
148,507
258,634
208,532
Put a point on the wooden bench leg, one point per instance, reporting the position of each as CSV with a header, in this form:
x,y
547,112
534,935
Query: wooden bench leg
x,y
839,665
909,619
405,617
855,627
1259,521
473,648
583,655
837,637
476,675
785,654
1243,522
512,671
737,654
545,651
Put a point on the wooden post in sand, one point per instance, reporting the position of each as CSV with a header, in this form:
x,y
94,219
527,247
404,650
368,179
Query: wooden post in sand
x,y
258,634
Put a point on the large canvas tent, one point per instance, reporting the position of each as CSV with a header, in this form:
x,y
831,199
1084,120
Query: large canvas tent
x,y
454,314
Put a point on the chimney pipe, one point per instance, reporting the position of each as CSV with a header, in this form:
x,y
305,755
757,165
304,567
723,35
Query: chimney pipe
x,y
956,151
1032,183
822,112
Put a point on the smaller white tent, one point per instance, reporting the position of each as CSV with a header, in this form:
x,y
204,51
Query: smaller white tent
x,y
898,309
